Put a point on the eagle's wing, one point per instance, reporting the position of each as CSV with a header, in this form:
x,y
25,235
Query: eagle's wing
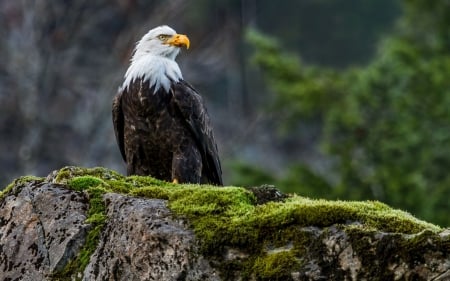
x,y
118,122
193,111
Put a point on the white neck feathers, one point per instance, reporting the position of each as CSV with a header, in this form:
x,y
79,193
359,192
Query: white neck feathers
x,y
159,71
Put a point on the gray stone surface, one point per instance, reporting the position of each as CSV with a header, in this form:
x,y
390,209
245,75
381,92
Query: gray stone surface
x,y
142,241
41,228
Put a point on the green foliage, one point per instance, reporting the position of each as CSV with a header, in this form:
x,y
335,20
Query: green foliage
x,y
386,123
301,178
301,89
247,175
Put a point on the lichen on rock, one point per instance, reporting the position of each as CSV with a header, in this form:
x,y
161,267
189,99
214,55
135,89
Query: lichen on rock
x,y
95,224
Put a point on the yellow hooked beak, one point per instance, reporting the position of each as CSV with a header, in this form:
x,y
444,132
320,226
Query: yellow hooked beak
x,y
179,40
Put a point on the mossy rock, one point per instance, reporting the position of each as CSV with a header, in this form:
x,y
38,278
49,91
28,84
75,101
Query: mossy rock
x,y
231,217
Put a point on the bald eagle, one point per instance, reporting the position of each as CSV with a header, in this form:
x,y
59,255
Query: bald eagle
x,y
160,121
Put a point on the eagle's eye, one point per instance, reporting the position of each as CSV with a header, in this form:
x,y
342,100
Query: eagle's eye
x,y
163,37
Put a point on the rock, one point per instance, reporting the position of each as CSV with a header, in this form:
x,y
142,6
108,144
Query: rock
x,y
142,241
151,230
267,193
42,226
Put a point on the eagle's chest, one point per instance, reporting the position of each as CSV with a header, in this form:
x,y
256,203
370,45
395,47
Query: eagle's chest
x,y
152,115
153,131
155,107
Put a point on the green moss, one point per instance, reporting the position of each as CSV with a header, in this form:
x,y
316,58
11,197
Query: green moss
x,y
133,185
95,189
19,182
69,172
153,192
195,200
228,217
304,211
236,221
276,266
140,181
85,182
96,217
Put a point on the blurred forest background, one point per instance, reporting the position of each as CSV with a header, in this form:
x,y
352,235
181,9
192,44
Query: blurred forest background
x,y
337,99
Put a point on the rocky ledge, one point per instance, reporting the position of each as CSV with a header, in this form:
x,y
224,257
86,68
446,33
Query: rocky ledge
x,y
94,224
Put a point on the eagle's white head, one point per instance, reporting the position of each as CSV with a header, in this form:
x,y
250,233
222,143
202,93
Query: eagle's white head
x,y
154,58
